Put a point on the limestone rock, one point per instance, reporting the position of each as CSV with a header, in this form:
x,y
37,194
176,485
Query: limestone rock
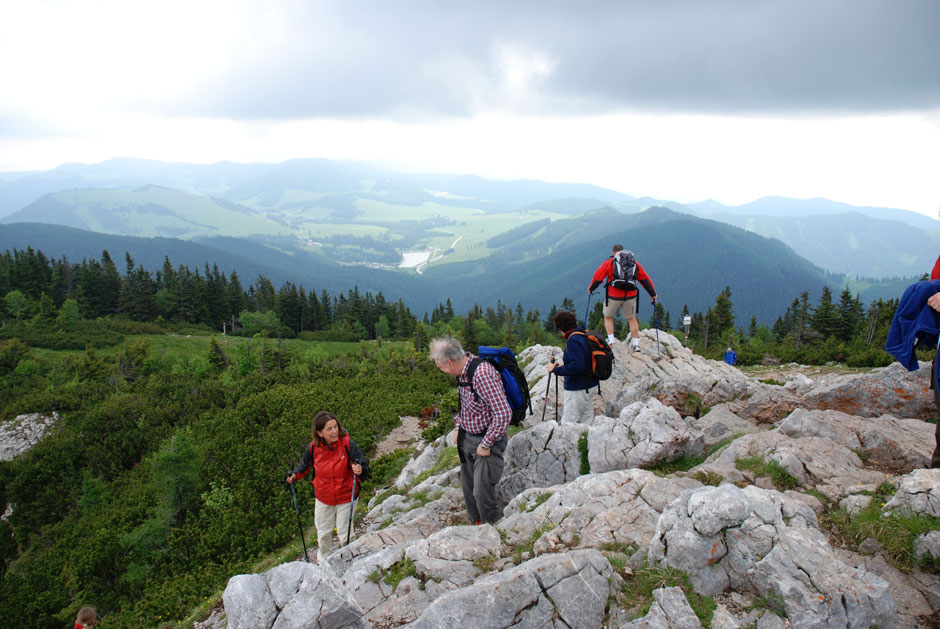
x,y
619,507
670,610
918,492
814,462
424,462
290,596
927,545
886,440
558,590
644,434
721,423
756,540
23,432
546,454
674,375
892,390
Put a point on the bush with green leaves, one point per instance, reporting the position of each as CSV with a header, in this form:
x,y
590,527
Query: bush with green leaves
x,y
165,477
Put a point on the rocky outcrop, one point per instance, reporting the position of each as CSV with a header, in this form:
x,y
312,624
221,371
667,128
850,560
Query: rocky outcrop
x,y
23,432
809,462
744,525
568,589
892,390
547,454
645,433
759,541
901,444
291,596
670,609
618,508
918,492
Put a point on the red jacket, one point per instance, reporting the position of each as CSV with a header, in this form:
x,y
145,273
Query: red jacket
x,y
935,274
332,470
605,273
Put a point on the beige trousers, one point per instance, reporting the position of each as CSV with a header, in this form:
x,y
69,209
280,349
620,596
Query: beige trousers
x,y
327,517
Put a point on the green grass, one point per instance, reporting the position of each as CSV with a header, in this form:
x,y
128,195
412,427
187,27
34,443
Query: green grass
x,y
685,462
895,530
485,564
399,572
539,500
638,591
583,450
781,479
530,543
773,602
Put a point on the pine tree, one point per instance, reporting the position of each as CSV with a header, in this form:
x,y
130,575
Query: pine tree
x,y
825,320
849,315
468,335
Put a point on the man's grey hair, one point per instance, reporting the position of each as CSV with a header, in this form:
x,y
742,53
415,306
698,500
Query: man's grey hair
x,y
445,348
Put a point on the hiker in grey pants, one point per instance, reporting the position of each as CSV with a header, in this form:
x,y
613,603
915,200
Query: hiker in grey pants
x,y
481,426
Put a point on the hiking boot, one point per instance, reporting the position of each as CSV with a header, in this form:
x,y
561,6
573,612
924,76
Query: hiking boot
x,y
635,346
612,341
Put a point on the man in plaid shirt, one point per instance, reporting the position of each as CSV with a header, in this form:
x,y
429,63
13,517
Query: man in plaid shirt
x,y
481,426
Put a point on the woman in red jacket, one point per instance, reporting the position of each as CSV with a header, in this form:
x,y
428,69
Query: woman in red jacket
x,y
336,462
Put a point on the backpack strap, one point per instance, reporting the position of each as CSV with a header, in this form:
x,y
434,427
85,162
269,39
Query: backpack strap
x,y
471,369
584,334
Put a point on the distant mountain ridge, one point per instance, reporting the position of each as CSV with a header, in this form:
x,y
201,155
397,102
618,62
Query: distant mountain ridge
x,y
690,259
291,196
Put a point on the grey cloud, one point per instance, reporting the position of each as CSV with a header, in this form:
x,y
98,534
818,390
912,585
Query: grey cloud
x,y
428,58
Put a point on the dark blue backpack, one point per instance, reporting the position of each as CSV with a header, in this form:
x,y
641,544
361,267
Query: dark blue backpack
x,y
514,382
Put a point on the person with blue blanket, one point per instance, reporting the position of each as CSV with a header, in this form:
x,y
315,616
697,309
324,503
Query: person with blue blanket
x,y
917,322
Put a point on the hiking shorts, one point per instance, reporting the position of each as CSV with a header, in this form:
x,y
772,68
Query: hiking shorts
x,y
626,306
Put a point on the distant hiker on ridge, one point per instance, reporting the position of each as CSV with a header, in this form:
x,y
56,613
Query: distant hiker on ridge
x,y
482,418
730,356
621,272
580,386
336,462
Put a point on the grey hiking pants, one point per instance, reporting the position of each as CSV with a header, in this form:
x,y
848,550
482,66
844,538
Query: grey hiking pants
x,y
479,475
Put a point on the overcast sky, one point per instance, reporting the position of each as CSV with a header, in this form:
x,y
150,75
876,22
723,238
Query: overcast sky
x,y
682,100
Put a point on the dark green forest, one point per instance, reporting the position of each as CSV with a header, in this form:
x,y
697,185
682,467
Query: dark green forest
x,y
163,476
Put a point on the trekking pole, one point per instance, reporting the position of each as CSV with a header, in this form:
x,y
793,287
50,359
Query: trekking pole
x,y
556,398
293,492
352,509
547,390
656,324
587,310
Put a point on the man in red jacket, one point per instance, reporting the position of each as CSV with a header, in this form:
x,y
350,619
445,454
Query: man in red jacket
x,y
623,299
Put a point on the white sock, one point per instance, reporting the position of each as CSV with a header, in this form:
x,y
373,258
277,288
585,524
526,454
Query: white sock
x,y
635,341
611,339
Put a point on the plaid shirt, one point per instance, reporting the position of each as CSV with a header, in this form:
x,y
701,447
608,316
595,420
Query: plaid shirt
x,y
491,413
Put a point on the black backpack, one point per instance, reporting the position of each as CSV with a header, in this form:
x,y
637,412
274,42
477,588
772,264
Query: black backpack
x,y
602,357
624,265
514,383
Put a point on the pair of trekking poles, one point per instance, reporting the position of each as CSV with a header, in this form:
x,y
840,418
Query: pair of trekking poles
x,y
352,510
